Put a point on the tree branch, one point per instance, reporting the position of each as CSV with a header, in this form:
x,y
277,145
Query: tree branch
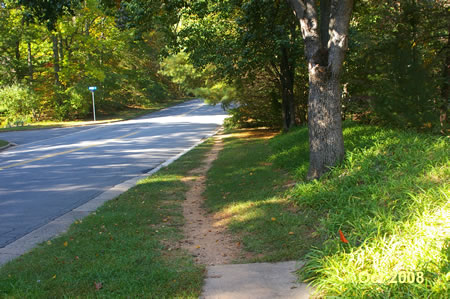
x,y
340,14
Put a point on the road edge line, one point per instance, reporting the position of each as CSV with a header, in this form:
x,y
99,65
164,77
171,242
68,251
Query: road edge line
x,y
61,224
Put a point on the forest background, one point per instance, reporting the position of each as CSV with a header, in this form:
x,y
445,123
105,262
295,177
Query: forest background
x,y
247,55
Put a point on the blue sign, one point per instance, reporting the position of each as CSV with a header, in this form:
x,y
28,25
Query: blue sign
x,y
93,88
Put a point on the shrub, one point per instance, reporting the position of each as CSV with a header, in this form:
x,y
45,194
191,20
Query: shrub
x,y
19,103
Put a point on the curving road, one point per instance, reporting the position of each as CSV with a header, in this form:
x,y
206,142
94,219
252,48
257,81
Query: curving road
x,y
52,172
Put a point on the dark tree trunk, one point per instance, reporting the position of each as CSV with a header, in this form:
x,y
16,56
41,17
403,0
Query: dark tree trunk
x,y
17,68
61,48
17,50
287,91
56,67
30,62
325,46
443,109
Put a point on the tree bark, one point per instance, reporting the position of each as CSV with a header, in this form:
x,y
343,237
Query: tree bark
x,y
325,46
56,67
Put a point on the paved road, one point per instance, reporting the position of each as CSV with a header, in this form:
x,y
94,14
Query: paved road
x,y
52,172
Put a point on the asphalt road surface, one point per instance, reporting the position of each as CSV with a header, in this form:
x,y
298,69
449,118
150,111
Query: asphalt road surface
x,y
54,171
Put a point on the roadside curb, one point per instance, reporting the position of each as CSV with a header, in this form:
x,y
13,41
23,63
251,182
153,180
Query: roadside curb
x,y
62,223
10,144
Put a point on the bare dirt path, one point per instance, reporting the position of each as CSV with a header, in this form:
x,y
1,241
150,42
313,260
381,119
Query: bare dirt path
x,y
206,236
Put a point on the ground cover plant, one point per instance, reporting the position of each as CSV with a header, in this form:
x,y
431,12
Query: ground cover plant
x,y
125,249
389,199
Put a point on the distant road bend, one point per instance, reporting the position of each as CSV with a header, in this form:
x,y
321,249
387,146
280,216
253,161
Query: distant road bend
x,y
54,171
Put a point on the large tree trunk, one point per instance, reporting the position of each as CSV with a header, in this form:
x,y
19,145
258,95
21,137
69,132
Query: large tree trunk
x,y
326,142
325,46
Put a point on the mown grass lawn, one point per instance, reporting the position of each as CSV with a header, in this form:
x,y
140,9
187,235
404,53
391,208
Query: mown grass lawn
x,y
126,249
389,198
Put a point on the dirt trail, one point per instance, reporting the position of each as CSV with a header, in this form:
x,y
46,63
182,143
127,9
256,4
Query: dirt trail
x,y
205,236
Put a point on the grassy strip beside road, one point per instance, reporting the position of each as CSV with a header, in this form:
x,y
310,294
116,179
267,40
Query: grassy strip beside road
x,y
389,198
126,249
124,114
3,143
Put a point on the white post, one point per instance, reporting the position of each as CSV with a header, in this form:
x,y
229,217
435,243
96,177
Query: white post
x,y
93,104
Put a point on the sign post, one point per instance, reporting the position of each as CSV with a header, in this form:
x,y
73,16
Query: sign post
x,y
93,89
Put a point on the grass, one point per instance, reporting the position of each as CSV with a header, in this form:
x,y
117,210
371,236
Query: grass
x,y
125,114
126,249
248,191
3,143
389,198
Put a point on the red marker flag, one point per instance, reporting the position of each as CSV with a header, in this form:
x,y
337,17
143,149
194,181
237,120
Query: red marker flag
x,y
341,235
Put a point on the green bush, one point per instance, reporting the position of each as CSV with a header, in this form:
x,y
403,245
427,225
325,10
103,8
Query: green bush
x,y
78,101
19,103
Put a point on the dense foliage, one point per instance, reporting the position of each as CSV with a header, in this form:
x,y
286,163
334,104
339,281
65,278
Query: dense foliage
x,y
249,53
57,54
396,73
398,63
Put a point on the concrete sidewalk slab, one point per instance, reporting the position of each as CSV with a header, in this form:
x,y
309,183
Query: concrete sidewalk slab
x,y
260,280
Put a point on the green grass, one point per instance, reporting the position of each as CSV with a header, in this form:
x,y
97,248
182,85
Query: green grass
x,y
389,197
249,191
128,245
125,114
3,143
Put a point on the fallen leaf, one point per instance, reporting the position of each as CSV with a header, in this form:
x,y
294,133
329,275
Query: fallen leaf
x,y
341,236
54,276
66,244
98,285
291,233
273,218
198,246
